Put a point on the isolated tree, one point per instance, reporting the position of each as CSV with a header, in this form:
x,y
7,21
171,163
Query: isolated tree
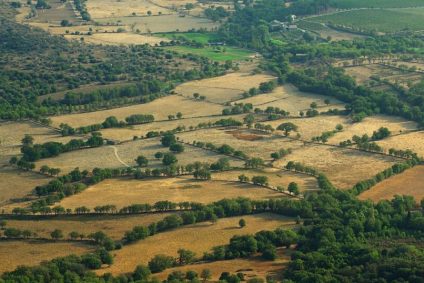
x,y
293,188
176,148
56,234
27,140
196,95
168,139
185,256
243,178
169,159
74,235
44,169
158,155
142,161
179,115
287,128
3,224
161,262
314,105
242,223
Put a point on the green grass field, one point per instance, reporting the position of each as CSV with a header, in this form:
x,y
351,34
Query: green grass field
x,y
231,53
349,4
381,20
202,38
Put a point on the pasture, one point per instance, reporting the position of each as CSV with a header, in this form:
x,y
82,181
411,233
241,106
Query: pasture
x,y
100,9
289,98
31,253
223,88
216,54
199,238
412,141
123,38
380,20
160,108
344,167
409,183
124,154
114,226
124,192
350,4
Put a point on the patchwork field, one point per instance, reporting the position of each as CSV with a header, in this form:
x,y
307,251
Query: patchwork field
x,y
122,134
224,88
99,9
344,167
370,124
251,268
161,108
124,192
124,155
15,253
409,183
290,99
275,178
198,238
114,226
251,142
118,38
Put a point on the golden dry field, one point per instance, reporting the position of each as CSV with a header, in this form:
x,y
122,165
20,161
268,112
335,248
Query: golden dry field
x,y
289,98
275,176
413,141
224,88
99,9
251,142
198,238
251,268
30,253
124,155
114,226
344,167
160,108
124,192
118,38
123,134
410,182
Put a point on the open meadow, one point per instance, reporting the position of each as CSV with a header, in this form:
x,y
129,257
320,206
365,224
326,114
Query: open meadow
x,y
198,238
30,253
408,183
124,192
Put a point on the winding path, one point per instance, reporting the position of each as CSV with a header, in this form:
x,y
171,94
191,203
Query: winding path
x,y
115,149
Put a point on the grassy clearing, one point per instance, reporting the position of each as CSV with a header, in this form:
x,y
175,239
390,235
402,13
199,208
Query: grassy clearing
x,y
59,11
396,125
253,143
378,19
326,32
409,183
160,108
121,134
107,156
223,88
230,53
118,39
344,167
123,192
16,253
290,99
275,177
198,238
252,267
114,226
349,4
16,184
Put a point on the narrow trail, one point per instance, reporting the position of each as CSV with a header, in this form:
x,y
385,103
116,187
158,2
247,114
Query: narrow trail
x,y
115,149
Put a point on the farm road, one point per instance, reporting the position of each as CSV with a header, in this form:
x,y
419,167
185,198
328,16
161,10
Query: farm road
x,y
115,149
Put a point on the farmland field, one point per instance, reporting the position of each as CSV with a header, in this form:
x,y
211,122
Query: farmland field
x,y
16,253
160,108
409,183
124,192
349,4
223,54
118,38
198,238
412,141
378,20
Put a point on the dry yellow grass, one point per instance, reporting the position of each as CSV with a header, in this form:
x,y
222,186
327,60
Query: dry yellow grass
x,y
344,167
412,141
124,38
262,147
290,99
198,238
252,267
370,124
114,226
16,184
361,74
224,88
113,8
15,253
275,177
125,154
312,127
57,29
160,108
121,134
123,192
409,183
